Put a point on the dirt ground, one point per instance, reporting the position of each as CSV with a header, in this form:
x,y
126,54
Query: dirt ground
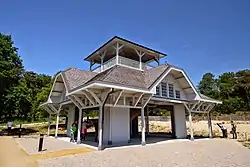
x,y
201,128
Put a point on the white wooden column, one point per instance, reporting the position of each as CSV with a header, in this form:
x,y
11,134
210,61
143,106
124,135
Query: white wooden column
x,y
110,127
117,48
210,125
191,126
49,122
57,122
100,128
143,139
102,58
147,121
79,127
140,54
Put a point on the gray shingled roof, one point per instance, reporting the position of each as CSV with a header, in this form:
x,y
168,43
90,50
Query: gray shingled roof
x,y
117,75
76,77
123,76
152,74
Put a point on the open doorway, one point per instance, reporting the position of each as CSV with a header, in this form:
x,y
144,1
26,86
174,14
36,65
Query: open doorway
x,y
161,123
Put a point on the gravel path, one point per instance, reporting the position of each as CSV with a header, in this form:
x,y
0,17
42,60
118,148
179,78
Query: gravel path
x,y
200,153
30,144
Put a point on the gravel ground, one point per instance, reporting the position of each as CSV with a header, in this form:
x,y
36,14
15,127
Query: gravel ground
x,y
200,153
30,144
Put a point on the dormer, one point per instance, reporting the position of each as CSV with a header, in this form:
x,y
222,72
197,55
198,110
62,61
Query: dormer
x,y
119,51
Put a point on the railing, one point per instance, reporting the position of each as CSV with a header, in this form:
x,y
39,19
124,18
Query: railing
x,y
121,60
97,69
109,63
128,62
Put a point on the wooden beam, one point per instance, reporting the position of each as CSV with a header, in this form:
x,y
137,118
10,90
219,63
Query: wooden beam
x,y
199,105
119,95
75,102
79,101
138,99
144,105
207,107
186,106
89,98
94,95
53,108
47,109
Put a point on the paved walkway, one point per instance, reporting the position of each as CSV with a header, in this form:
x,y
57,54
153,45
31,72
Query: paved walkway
x,y
12,155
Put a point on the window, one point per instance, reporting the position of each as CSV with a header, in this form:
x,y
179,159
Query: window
x,y
171,90
164,89
158,90
177,94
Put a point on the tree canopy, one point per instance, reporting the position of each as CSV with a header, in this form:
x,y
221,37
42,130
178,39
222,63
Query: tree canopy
x,y
20,91
232,88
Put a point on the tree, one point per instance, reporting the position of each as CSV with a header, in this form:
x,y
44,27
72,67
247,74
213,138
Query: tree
x,y
11,70
243,86
227,83
208,85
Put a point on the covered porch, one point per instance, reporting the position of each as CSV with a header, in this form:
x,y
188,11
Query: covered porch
x,y
113,105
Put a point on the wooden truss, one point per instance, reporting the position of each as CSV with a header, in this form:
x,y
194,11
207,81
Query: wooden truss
x,y
199,107
91,98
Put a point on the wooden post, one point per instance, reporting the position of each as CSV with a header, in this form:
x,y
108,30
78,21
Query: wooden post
x,y
143,140
191,127
79,127
147,121
210,125
100,128
57,122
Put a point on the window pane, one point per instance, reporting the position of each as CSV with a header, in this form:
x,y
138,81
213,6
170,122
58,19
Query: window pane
x,y
158,90
177,94
171,90
164,89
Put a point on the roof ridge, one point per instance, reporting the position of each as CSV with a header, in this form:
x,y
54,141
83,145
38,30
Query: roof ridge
x,y
68,69
111,69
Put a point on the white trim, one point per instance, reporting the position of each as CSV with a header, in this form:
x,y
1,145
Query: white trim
x,y
53,87
64,83
121,106
108,86
130,67
66,102
91,106
78,90
168,100
183,73
210,101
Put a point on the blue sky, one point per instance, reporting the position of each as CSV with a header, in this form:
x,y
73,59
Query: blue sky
x,y
199,36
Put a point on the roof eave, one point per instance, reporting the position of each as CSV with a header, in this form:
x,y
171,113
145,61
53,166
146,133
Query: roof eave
x,y
124,40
